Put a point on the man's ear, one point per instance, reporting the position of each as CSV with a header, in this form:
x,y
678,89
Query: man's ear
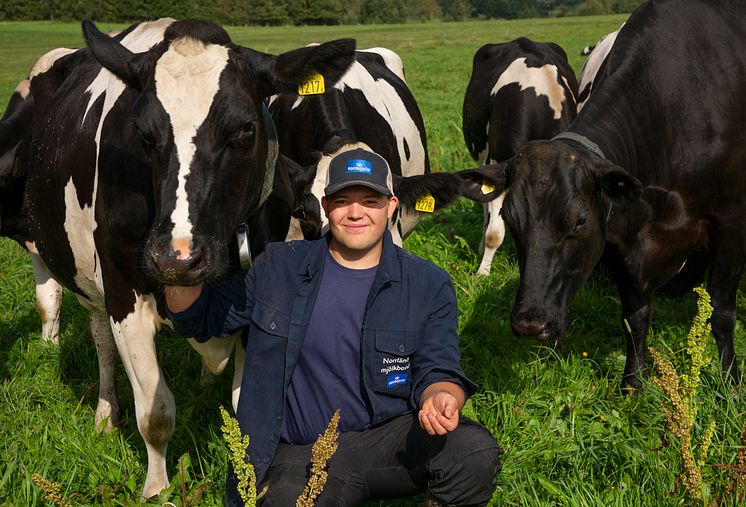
x,y
616,183
392,204
325,205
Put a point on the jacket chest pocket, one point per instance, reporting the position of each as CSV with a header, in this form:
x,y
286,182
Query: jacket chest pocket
x,y
393,369
266,320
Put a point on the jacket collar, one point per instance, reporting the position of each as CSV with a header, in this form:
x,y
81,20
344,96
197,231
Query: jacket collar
x,y
389,267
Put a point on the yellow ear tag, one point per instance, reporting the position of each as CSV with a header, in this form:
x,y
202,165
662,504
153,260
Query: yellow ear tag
x,y
313,85
426,204
621,184
487,188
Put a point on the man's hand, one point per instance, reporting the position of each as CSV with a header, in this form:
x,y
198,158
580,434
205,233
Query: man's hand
x,y
439,407
179,298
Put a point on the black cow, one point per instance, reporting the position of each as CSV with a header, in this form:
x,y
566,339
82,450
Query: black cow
x,y
370,107
651,170
145,152
519,91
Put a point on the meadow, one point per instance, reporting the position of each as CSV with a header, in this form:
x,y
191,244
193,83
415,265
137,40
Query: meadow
x,y
571,438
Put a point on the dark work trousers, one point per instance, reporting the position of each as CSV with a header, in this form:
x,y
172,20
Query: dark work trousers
x,y
394,459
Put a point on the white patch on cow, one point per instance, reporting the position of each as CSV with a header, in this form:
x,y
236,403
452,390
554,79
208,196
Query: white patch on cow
x,y
239,360
215,352
154,403
386,101
48,299
24,88
589,70
391,59
482,156
47,60
297,102
542,79
80,223
187,78
494,233
139,40
294,230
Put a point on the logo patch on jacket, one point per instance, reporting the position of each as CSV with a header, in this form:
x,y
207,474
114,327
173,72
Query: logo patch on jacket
x,y
396,379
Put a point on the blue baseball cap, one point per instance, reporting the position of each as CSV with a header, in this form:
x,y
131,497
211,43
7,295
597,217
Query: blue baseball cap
x,y
358,167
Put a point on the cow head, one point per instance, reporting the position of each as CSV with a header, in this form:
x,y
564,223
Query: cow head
x,y
557,208
201,118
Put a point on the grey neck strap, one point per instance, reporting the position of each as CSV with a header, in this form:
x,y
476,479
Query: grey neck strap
x,y
242,234
581,140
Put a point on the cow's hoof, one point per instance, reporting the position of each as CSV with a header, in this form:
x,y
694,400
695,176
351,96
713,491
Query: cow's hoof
x,y
631,387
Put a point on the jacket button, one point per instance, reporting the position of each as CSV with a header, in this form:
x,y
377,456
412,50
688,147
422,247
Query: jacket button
x,y
273,326
402,348
280,418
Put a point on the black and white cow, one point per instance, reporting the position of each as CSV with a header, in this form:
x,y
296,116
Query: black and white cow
x,y
651,170
592,65
519,91
144,153
371,107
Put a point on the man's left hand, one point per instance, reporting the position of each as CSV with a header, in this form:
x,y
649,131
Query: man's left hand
x,y
439,407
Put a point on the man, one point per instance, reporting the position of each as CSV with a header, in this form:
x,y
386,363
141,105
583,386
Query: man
x,y
349,322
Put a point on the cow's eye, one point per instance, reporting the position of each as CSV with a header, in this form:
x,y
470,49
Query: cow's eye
x,y
146,139
580,224
245,134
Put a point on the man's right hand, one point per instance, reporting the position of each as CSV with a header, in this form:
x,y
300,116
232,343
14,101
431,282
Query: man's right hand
x,y
181,297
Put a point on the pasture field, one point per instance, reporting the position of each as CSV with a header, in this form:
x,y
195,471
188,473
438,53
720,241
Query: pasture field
x,y
571,438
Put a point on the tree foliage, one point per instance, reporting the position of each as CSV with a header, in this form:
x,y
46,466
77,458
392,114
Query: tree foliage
x,y
304,12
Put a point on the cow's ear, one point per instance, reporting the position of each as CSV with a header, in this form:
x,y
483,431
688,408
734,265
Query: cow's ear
x,y
134,69
617,183
485,183
285,72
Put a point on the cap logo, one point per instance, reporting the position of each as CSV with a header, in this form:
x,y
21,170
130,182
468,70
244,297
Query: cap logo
x,y
359,166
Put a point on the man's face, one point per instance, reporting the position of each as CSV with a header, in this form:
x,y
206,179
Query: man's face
x,y
358,217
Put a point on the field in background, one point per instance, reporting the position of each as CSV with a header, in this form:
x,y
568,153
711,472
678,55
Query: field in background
x,y
570,437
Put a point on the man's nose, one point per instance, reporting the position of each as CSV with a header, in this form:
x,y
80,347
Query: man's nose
x,y
355,210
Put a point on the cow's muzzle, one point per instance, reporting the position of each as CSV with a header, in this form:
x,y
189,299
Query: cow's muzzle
x,y
534,324
172,266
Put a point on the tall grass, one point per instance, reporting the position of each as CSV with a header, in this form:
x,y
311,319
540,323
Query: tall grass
x,y
570,437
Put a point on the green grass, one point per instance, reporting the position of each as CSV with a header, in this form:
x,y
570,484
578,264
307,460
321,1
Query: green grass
x,y
570,437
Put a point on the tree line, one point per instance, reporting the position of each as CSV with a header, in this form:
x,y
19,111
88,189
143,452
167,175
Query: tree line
x,y
304,12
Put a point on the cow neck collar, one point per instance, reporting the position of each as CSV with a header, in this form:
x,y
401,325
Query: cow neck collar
x,y
272,152
582,141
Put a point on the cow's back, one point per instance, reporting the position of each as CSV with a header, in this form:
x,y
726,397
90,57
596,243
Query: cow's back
x,y
370,104
670,104
519,91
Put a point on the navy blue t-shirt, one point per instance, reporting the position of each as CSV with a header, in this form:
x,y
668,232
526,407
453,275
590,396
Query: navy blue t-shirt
x,y
327,376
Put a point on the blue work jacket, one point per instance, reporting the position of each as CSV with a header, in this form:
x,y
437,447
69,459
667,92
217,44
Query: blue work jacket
x,y
409,329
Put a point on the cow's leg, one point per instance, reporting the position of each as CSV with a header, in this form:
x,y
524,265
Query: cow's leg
x,y
48,300
239,359
107,409
215,352
636,315
154,404
494,233
725,275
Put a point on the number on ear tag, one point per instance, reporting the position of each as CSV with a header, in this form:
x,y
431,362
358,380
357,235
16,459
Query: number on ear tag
x,y
487,187
426,204
312,85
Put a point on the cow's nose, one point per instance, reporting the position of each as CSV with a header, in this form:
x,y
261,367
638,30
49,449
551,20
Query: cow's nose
x,y
177,269
531,324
